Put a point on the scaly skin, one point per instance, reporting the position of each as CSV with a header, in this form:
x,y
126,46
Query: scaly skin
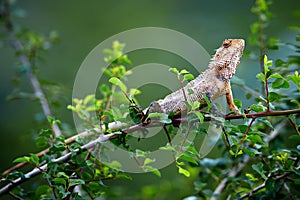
x,y
214,82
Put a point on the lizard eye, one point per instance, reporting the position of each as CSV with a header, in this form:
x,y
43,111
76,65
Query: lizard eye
x,y
226,43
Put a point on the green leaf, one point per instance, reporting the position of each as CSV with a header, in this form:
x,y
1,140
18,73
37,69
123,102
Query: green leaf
x,y
273,96
59,181
251,152
118,82
266,122
259,169
52,121
295,79
57,148
34,159
62,174
255,139
46,133
41,142
184,71
153,170
76,182
22,159
251,177
200,116
183,171
207,101
188,157
88,99
164,118
275,75
188,77
280,83
148,161
260,76
267,64
258,108
42,190
174,70
195,105
238,103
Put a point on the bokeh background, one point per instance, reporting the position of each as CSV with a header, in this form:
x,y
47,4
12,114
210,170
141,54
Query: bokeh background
x,y
82,25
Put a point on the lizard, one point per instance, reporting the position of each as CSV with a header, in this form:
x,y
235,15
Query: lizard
x,y
213,83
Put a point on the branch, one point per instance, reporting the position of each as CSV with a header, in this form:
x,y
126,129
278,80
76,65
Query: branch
x,y
16,44
63,158
240,166
154,123
264,184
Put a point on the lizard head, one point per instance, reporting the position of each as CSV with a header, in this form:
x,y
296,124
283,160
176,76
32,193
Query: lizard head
x,y
228,57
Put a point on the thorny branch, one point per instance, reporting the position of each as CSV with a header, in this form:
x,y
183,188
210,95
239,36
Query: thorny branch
x,y
16,44
236,169
154,123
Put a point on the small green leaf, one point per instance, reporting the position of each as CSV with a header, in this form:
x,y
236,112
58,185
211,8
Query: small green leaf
x,y
57,148
52,121
153,170
260,76
295,79
46,133
164,118
275,75
62,174
280,83
251,152
76,182
34,159
184,71
22,159
118,82
266,122
273,96
195,105
184,171
174,70
200,116
258,107
189,158
238,103
207,101
259,169
267,64
59,181
148,161
188,77
88,99
251,177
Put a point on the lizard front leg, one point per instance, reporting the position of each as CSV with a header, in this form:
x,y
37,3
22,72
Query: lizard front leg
x,y
229,99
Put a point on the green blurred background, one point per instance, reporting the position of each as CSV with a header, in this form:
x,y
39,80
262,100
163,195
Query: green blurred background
x,y
83,25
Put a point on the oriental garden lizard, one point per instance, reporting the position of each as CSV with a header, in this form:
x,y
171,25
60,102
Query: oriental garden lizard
x,y
212,83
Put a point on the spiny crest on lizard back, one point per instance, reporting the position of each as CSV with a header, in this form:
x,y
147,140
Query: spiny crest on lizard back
x,y
226,59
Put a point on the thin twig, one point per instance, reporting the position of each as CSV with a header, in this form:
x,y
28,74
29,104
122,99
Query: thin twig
x,y
236,169
63,158
282,176
294,125
16,44
247,131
